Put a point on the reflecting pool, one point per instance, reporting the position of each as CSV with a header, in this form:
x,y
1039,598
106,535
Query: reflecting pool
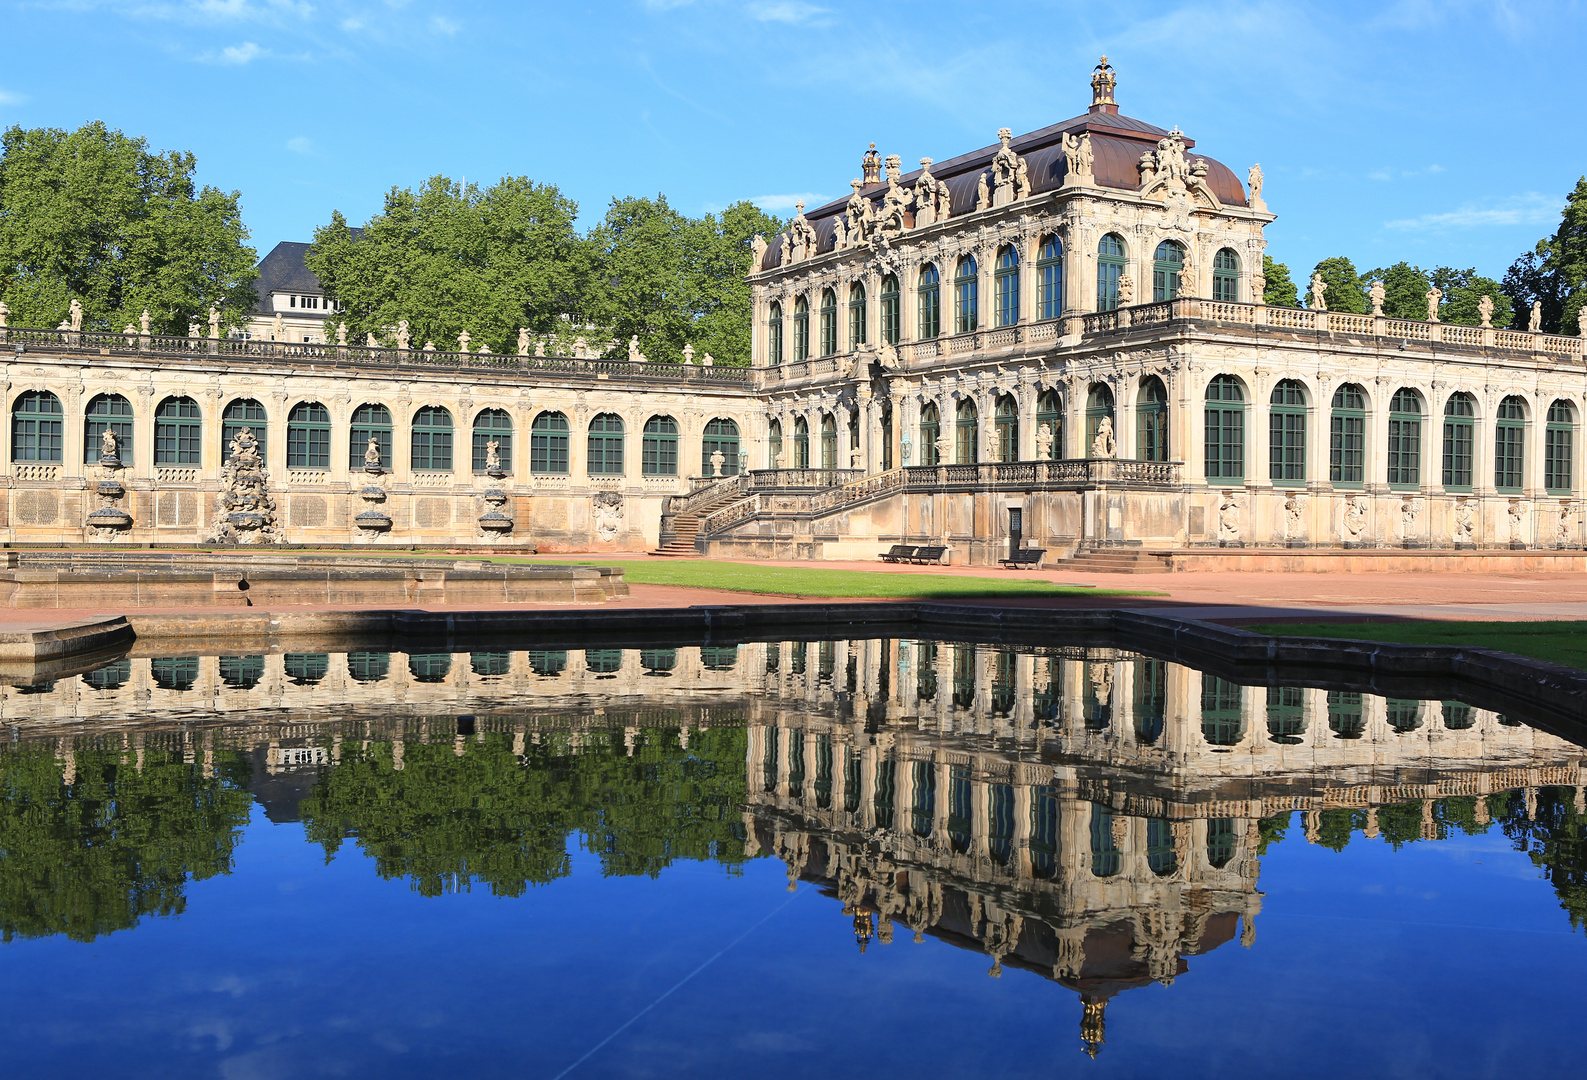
x,y
869,858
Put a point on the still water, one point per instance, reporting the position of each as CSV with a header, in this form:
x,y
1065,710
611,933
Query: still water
x,y
808,859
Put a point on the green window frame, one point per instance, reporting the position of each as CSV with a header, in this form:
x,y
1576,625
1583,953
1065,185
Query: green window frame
x,y
967,296
829,441
829,322
801,328
1167,261
1049,411
930,295
965,444
1286,714
1222,711
369,420
887,436
606,439
241,672
430,440
774,444
1151,700
548,444
1005,418
923,800
1221,842
857,320
107,411
1509,445
603,661
1225,429
930,432
38,426
1106,859
309,436
368,667
1345,717
1161,858
1006,279
658,447
244,413
1559,441
306,669
1226,277
720,434
1460,441
1405,440
1050,278
1110,268
179,432
890,309
774,334
1151,420
1347,437
1099,404
801,443
491,424
1286,433
429,667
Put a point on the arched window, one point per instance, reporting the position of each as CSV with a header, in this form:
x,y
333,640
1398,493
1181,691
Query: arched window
x,y
492,424
966,296
829,322
548,444
178,432
658,448
1347,436
930,431
1225,442
890,309
1286,433
774,445
1006,417
369,422
801,329
1007,279
1151,420
1151,700
1405,439
1110,267
856,315
604,456
1226,277
1105,857
107,411
244,413
1509,445
720,436
1050,276
1286,714
1558,443
1460,418
1099,406
1160,856
965,444
801,443
930,303
887,436
309,436
1167,262
1220,842
432,439
1222,719
37,427
774,334
429,667
829,441
1049,415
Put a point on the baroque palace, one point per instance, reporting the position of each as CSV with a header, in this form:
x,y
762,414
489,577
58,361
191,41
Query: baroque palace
x,y
1056,341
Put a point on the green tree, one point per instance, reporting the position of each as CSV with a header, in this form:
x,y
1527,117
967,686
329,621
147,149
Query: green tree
x,y
1463,292
1404,291
1278,290
1554,273
1344,291
93,215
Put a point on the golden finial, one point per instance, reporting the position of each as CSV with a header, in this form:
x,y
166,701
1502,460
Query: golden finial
x,y
1103,80
871,163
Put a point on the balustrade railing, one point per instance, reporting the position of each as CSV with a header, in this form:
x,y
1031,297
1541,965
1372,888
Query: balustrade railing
x,y
778,479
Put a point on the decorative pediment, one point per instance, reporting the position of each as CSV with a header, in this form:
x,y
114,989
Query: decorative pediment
x,y
1167,173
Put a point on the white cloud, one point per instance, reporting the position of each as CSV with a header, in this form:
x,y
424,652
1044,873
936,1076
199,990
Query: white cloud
x,y
794,12
301,144
786,202
1532,208
234,54
9,98
665,5
442,25
1403,174
199,11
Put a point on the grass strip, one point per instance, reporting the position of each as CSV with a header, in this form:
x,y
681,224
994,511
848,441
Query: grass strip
x,y
1556,642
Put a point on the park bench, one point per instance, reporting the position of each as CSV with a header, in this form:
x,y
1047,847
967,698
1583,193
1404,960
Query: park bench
x,y
898,553
924,555
1024,559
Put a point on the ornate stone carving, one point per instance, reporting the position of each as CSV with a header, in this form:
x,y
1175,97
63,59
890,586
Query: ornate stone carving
x,y
1044,441
1465,519
278,328
801,234
1562,525
1485,309
932,200
1126,290
1376,295
74,315
1104,446
1079,160
1355,520
1518,511
871,166
1319,290
1294,516
606,511
246,510
1435,296
1254,180
757,252
1010,173
1168,171
1228,518
1409,509
404,335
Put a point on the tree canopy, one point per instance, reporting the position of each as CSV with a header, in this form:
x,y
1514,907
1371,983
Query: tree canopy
x,y
94,215
1279,290
1554,272
1344,291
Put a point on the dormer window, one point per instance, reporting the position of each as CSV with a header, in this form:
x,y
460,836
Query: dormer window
x,y
293,302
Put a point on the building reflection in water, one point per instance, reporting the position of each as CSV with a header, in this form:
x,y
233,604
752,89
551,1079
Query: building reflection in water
x,y
1092,816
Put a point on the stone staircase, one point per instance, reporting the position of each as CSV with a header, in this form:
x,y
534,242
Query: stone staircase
x,y
1114,562
680,527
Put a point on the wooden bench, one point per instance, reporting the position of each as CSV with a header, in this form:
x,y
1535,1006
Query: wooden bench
x,y
898,553
1024,559
924,555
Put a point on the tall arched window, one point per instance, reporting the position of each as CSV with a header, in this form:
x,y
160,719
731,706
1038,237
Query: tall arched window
x,y
1151,420
1222,717
774,334
431,439
37,427
890,309
1160,856
801,443
1405,439
491,424
1106,858
1460,419
1050,275
1286,433
887,436
801,329
1006,417
857,318
604,454
548,444
829,441
1347,436
1226,277
107,411
1110,267
721,435
1225,442
1286,715
309,436
930,302
966,296
658,448
1509,445
178,432
1167,262
965,444
1049,415
930,432
244,413
1007,279
774,445
1099,406
369,422
829,322
1558,445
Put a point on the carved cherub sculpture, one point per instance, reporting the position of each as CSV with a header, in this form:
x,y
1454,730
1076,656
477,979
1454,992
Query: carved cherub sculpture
x,y
1104,446
372,452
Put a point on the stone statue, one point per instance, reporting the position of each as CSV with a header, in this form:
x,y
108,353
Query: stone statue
x,y
688,353
1485,309
1103,446
1079,158
492,455
983,194
244,447
74,312
462,341
1126,290
1376,295
341,333
1435,296
717,460
757,252
372,453
1581,321
871,166
1319,289
1253,177
192,327
371,343
1562,528
578,347
130,330
1044,441
1518,510
144,322
1355,519
404,335
607,511
1229,518
1409,508
895,200
1465,518
109,445
5,313
214,323
1187,278
523,341
802,233
1008,168
709,361
931,197
1535,323
861,219
278,328
1294,510
429,346
634,355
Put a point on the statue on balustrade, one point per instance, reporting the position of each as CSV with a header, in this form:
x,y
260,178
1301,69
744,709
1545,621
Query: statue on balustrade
x,y
1485,309
1126,290
1435,296
1535,323
1376,295
1103,446
492,455
1044,441
404,336
1319,290
75,315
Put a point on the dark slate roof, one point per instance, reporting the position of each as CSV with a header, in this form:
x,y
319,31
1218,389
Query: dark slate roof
x,y
284,271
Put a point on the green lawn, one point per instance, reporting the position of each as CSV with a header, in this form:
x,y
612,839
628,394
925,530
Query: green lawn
x,y
1556,642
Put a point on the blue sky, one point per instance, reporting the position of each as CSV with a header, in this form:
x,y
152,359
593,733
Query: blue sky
x,y
1437,131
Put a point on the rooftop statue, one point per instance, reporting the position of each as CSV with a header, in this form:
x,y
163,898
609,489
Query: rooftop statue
x,y
871,166
1535,323
862,218
757,252
404,336
932,201
1254,179
1434,296
74,313
894,201
1103,80
1376,295
1319,289
1079,159
802,233
214,322
1485,309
